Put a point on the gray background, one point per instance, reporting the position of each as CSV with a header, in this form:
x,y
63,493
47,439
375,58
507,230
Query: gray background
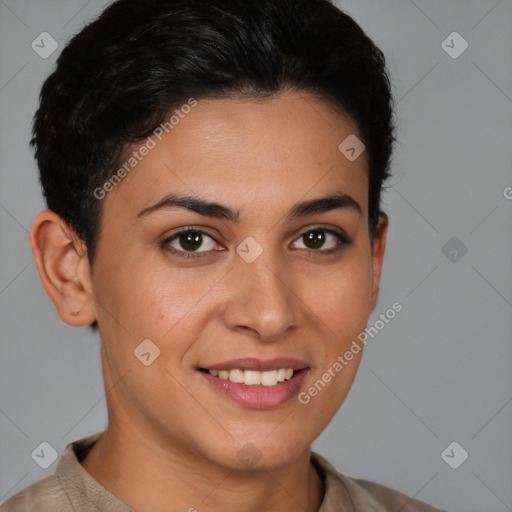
x,y
439,372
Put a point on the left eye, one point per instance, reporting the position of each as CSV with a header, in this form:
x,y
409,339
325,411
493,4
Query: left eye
x,y
319,239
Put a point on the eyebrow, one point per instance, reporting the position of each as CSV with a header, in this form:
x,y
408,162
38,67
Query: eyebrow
x,y
219,211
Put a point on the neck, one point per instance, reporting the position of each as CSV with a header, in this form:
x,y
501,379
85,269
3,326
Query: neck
x,y
147,478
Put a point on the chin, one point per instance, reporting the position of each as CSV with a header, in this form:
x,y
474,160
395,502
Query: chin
x,y
258,454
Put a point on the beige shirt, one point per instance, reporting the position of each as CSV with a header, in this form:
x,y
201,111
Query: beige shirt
x,y
72,489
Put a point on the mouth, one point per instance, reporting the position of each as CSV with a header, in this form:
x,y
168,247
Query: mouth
x,y
256,383
254,377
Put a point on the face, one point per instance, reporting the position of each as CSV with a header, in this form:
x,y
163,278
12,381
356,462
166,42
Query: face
x,y
266,277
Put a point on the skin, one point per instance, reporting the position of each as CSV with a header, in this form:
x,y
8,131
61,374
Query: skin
x,y
171,437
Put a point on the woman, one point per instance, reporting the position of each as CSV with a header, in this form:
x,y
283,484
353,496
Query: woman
x,y
213,173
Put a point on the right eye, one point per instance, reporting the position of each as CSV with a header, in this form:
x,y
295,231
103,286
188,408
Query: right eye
x,y
190,243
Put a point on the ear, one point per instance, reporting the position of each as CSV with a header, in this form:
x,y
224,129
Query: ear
x,y
61,260
379,247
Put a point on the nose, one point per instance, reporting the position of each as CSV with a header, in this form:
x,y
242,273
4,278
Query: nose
x,y
261,299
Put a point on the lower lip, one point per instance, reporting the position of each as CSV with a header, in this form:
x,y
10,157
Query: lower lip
x,y
258,397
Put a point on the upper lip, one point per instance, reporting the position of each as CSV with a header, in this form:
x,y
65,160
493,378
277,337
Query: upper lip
x,y
251,363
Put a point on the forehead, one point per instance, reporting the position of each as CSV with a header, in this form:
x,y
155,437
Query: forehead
x,y
245,151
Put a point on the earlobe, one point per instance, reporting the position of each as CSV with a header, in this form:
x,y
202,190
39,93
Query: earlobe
x,y
379,248
61,260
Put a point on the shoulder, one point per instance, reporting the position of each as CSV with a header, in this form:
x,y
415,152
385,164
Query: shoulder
x,y
67,490
46,495
362,494
393,500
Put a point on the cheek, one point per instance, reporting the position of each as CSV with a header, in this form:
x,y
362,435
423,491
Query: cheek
x,y
341,298
173,297
341,302
147,295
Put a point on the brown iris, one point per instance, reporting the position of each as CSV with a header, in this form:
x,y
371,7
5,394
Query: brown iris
x,y
191,241
315,239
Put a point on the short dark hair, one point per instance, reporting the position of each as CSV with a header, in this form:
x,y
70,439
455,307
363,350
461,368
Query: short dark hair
x,y
116,80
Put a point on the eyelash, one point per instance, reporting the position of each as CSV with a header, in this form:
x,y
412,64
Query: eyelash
x,y
342,240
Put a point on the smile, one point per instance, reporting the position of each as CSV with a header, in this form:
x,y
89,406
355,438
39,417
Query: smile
x,y
254,377
257,383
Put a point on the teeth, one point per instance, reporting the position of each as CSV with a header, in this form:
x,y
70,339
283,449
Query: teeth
x,y
254,378
236,376
269,378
